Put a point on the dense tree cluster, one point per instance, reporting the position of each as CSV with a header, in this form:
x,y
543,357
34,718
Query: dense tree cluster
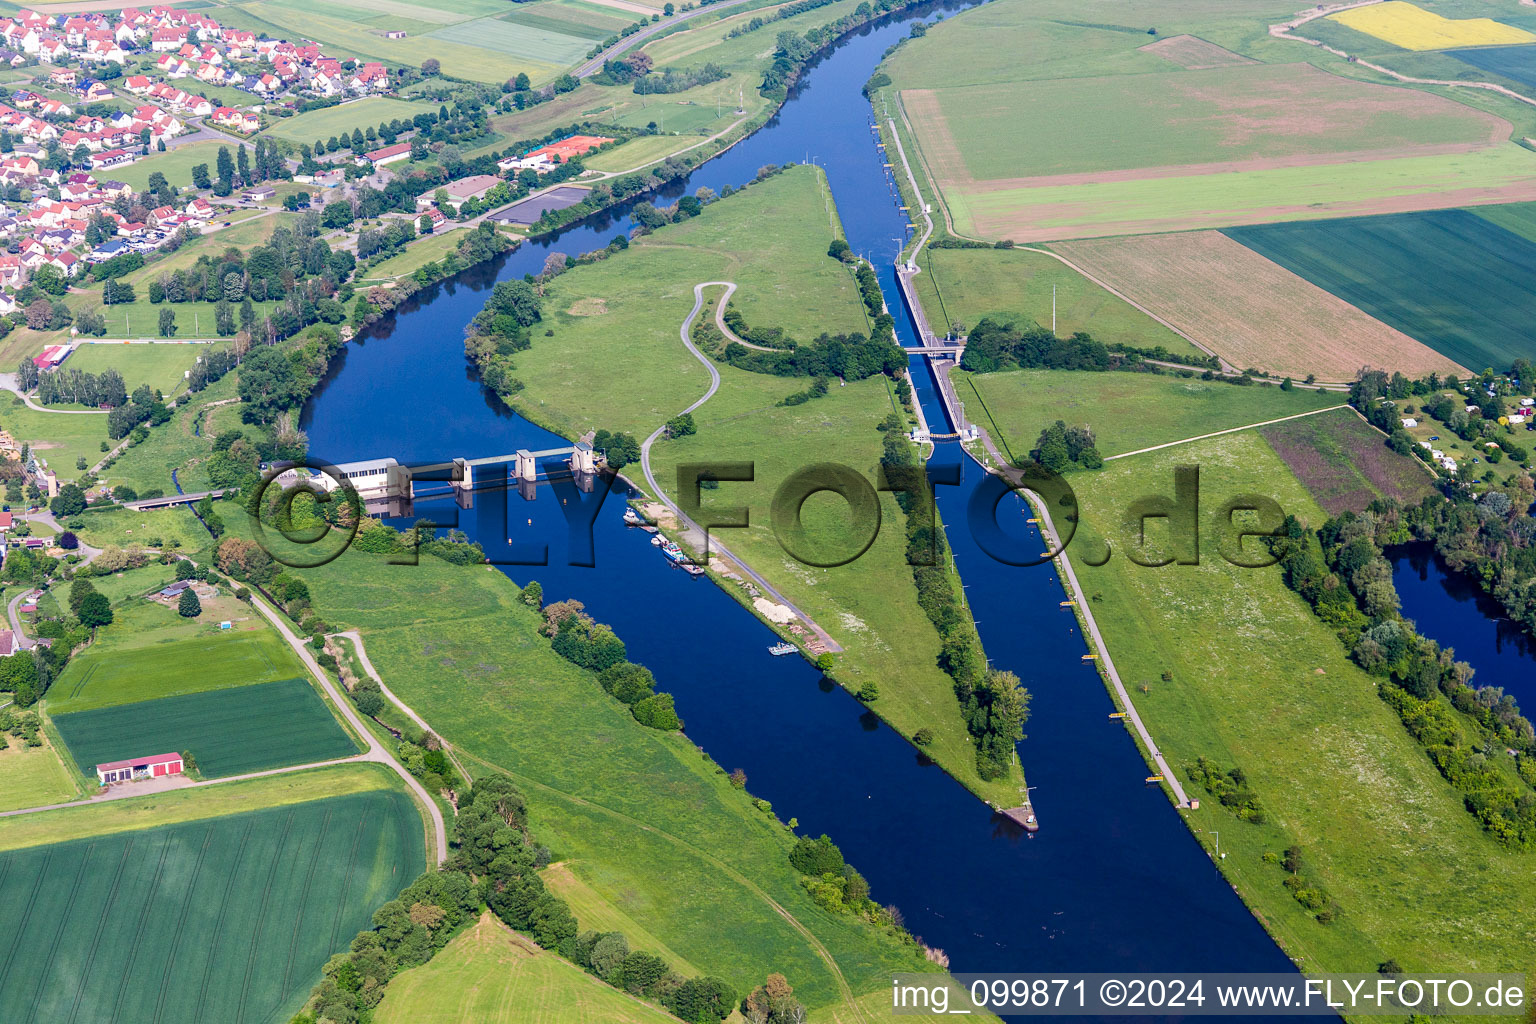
x,y
144,406
501,329
66,386
679,79
1230,788
619,448
1060,448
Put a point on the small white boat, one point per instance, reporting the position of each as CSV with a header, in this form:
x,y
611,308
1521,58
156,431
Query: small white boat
x,y
656,540
632,517
779,650
694,570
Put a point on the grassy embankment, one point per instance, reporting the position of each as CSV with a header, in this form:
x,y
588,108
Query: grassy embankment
x,y
1258,683
771,241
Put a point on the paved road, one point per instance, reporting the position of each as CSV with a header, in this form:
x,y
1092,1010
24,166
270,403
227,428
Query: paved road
x,y
767,588
595,65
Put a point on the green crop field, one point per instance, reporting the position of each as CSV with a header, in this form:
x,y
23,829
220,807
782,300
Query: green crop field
x,y
230,732
159,366
967,284
635,153
1516,62
363,114
1457,282
350,29
491,975
1246,112
226,919
529,40
1126,411
152,652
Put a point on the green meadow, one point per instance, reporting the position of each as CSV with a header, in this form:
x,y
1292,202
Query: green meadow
x,y
1125,411
964,285
159,366
32,776
365,113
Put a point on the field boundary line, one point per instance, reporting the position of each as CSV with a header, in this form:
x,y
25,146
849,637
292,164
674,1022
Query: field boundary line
x,y
261,914
1229,430
309,879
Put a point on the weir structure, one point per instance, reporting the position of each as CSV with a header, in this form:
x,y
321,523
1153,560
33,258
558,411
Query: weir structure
x,y
388,488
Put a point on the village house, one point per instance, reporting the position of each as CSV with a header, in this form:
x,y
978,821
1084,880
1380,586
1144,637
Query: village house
x,y
460,192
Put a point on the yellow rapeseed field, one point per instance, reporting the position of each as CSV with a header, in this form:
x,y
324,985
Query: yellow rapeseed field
x,y
1414,28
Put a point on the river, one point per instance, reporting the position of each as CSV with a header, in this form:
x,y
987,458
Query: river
x,y
1112,882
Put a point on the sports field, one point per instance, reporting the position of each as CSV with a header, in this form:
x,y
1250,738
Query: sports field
x,y
1251,311
1453,280
491,975
224,919
364,114
1345,464
151,652
1413,28
230,732
159,366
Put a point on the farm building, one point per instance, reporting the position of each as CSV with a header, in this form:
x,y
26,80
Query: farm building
x,y
460,192
546,157
138,768
388,154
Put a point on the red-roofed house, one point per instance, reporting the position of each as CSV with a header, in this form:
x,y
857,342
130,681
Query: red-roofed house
x,y
388,154
138,768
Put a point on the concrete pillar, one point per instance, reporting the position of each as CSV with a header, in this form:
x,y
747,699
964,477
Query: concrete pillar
x,y
527,465
582,460
463,475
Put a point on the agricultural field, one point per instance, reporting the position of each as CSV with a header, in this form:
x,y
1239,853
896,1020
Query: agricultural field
x,y
524,39
159,366
1249,310
1454,281
1413,28
492,975
232,731
1345,464
964,285
151,652
1125,411
365,113
1122,143
1514,62
175,163
356,28
1195,54
32,776
225,918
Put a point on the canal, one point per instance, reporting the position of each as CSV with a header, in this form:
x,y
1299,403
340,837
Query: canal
x,y
1113,881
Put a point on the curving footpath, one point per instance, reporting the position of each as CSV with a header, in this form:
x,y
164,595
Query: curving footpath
x,y
767,588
